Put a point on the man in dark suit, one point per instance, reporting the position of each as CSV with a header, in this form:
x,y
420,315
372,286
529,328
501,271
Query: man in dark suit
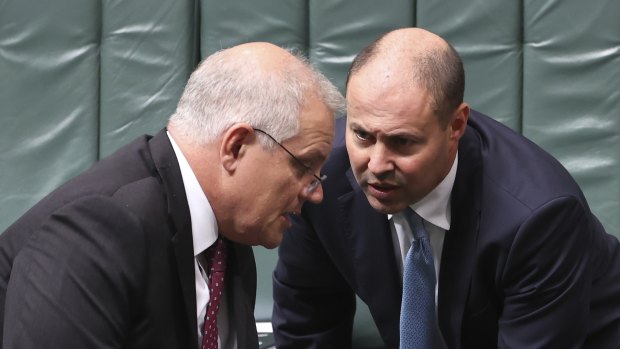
x,y
114,258
520,259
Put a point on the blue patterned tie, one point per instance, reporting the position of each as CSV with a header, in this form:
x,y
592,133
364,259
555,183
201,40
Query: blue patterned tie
x,y
418,325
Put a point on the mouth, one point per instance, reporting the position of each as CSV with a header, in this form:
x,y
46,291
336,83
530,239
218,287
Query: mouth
x,y
381,190
286,216
294,212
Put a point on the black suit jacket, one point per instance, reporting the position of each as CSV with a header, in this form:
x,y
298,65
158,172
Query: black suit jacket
x,y
524,265
106,261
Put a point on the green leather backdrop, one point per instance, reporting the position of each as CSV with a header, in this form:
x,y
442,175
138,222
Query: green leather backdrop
x,y
80,78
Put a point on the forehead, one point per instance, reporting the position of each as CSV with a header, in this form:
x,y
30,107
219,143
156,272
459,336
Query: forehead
x,y
387,103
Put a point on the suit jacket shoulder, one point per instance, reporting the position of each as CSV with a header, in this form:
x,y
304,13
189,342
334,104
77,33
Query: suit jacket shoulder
x,y
105,236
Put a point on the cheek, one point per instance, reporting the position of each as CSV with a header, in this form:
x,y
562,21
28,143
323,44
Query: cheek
x,y
411,171
427,170
276,176
420,168
358,160
280,192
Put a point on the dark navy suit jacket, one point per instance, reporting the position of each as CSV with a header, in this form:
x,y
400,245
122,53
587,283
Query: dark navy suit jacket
x,y
107,261
525,263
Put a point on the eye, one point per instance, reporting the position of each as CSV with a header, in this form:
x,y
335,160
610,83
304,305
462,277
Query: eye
x,y
300,168
361,135
401,142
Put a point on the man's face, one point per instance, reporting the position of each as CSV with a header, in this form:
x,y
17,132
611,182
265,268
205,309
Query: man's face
x,y
276,183
398,149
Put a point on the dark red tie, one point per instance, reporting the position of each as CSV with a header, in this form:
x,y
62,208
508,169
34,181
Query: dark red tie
x,y
216,266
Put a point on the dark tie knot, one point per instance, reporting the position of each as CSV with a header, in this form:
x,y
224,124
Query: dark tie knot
x,y
215,256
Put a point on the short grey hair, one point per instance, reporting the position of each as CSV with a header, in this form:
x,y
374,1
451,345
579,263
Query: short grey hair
x,y
222,92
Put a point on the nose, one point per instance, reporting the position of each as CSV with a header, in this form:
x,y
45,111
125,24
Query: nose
x,y
315,196
379,160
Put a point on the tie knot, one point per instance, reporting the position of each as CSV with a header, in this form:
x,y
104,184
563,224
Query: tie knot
x,y
215,255
416,223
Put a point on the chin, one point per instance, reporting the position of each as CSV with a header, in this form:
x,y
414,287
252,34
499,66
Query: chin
x,y
271,238
271,243
385,207
270,246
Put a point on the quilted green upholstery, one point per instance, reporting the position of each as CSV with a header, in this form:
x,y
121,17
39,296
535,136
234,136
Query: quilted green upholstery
x,y
80,78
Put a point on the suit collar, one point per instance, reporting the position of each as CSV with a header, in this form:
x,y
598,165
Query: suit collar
x,y
241,268
376,280
241,290
167,167
204,223
459,248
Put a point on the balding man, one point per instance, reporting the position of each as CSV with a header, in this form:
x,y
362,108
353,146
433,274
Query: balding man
x,y
520,260
150,247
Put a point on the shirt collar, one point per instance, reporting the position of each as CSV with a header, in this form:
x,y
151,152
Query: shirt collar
x,y
204,224
435,206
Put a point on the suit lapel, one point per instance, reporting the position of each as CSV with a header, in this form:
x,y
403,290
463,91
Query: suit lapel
x,y
376,281
178,211
241,292
241,270
459,249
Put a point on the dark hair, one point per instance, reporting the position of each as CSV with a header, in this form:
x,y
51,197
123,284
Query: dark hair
x,y
439,70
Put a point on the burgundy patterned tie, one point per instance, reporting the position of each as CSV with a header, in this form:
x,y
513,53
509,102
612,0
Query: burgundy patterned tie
x,y
216,266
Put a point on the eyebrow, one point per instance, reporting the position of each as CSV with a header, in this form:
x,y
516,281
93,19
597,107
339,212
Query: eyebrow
x,y
389,134
354,124
400,134
311,156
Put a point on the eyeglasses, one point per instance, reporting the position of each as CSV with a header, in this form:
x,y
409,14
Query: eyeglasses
x,y
316,182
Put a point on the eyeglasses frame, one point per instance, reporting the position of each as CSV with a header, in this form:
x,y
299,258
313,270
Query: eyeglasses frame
x,y
316,182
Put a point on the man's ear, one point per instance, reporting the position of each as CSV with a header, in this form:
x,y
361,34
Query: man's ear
x,y
233,146
458,124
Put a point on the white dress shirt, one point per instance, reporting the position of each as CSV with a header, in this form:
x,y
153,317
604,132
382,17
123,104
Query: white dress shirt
x,y
204,234
434,209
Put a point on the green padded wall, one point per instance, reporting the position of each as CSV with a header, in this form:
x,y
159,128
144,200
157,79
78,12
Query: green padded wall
x,y
146,57
49,97
79,79
488,36
228,23
571,89
340,29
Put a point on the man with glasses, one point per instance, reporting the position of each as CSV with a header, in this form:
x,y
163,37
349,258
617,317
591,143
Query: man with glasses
x,y
150,248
